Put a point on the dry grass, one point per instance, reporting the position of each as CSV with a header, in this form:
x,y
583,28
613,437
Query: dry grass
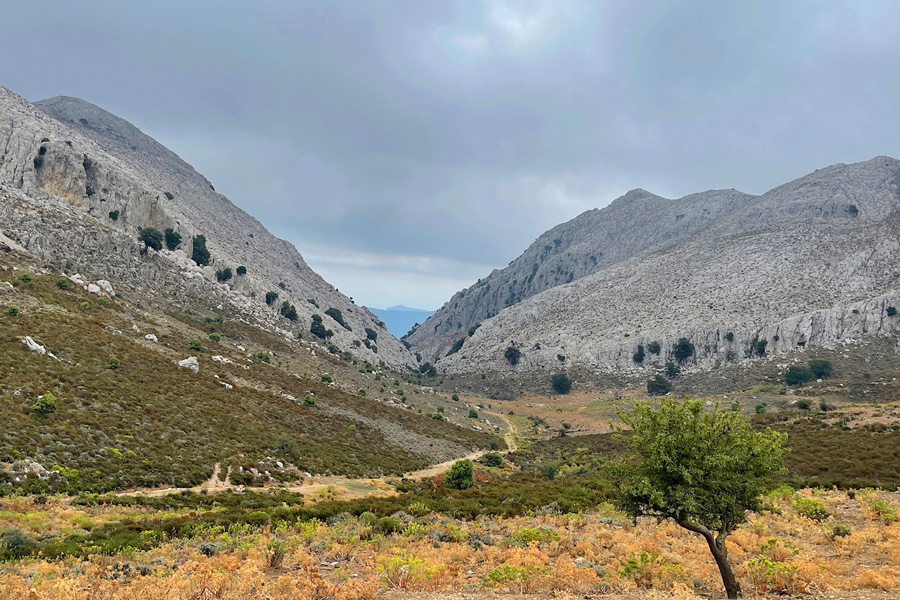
x,y
597,552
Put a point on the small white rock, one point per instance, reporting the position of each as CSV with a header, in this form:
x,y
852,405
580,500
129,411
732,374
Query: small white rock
x,y
190,363
34,346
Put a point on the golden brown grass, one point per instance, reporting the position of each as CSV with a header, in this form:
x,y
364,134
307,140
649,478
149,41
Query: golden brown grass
x,y
595,553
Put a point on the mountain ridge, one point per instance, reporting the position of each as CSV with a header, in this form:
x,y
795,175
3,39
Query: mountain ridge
x,y
834,230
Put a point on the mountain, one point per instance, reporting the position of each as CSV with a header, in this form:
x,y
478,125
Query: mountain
x,y
811,262
127,366
401,319
68,154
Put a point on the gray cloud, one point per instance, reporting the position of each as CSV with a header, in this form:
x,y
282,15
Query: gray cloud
x,y
408,147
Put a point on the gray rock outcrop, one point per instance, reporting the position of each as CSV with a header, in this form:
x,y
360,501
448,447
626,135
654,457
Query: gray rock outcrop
x,y
812,262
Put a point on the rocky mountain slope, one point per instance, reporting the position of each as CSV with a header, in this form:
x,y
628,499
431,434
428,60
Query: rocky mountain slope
x,y
77,185
811,262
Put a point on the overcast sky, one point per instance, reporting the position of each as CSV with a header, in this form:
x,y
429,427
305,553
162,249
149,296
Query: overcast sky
x,y
408,148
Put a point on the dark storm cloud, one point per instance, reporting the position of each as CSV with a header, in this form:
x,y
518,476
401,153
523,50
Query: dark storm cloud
x,y
407,148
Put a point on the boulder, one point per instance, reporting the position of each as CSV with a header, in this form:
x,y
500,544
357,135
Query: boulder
x,y
106,287
34,346
151,337
190,363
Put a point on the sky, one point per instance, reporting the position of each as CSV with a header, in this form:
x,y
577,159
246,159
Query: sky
x,y
409,148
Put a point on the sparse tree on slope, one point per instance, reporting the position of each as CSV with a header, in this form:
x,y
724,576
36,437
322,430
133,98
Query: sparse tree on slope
x,y
702,469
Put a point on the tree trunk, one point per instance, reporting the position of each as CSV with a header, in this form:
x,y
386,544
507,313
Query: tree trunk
x,y
720,553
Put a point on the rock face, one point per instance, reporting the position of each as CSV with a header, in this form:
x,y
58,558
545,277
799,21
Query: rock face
x,y
812,262
78,183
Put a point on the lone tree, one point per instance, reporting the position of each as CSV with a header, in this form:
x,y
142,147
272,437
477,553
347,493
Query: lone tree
x,y
460,476
702,469
561,383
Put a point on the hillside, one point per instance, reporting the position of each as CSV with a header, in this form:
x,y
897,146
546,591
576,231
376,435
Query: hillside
x,y
811,262
73,155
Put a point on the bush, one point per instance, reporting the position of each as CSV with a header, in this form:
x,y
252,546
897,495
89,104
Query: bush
x,y
173,239
729,336
38,162
811,509
683,350
288,311
672,370
317,328
263,357
15,545
271,297
460,476
512,355
335,314
223,275
654,348
804,404
309,401
62,283
326,378
760,408
561,383
549,470
45,405
242,270
658,386
840,530
492,459
113,362
820,368
891,311
13,311
25,278
200,253
758,346
114,215
456,347
639,355
798,375
151,237
214,336
473,414
196,345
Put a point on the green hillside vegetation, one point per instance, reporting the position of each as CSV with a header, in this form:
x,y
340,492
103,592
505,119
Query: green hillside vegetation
x,y
149,422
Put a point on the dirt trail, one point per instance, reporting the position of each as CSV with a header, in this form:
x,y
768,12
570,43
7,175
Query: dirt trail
x,y
340,487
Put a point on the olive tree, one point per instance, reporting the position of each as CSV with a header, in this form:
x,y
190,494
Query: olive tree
x,y
704,469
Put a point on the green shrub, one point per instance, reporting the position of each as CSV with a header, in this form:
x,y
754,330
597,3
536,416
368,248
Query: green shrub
x,y
104,302
886,511
530,535
15,545
151,237
200,254
473,414
460,476
729,336
114,215
811,509
263,357
840,530
654,348
683,350
38,161
512,355
242,270
672,370
798,375
173,239
658,386
309,401
891,311
760,408
456,347
335,314
271,297
45,405
223,275
639,355
549,470
758,346
820,368
372,335
803,404
25,278
326,378
215,337
196,344
561,383
113,362
389,525
13,311
492,459
62,283
288,311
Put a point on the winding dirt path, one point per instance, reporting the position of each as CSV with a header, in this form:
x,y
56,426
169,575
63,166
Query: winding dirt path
x,y
341,487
